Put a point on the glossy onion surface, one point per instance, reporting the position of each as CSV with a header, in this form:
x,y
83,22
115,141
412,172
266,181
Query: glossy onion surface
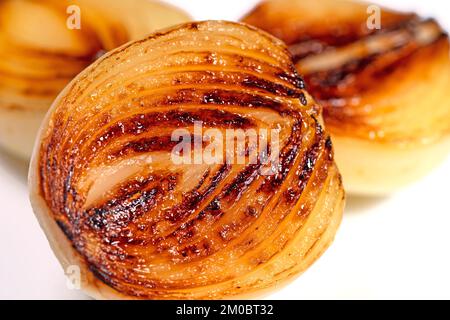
x,y
111,200
45,44
385,91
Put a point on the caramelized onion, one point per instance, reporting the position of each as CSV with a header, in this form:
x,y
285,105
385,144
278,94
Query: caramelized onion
x,y
385,92
45,44
111,201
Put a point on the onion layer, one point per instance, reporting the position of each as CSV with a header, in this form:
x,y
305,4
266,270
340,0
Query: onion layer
x,y
384,91
111,201
42,49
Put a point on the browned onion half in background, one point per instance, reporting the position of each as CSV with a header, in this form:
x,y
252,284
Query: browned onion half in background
x,y
385,92
157,230
39,54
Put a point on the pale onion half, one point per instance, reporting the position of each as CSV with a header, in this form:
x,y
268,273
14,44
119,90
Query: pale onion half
x,y
142,229
385,91
42,49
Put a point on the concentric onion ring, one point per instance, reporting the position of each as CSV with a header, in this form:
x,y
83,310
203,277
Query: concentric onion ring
x,y
111,200
42,49
384,91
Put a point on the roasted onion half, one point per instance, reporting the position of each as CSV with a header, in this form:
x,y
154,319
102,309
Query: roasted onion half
x,y
385,91
44,44
112,201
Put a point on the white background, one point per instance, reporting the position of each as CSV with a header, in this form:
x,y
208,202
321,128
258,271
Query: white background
x,y
386,248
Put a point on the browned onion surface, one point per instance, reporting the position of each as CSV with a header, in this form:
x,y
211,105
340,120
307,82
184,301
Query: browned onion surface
x,y
384,90
153,229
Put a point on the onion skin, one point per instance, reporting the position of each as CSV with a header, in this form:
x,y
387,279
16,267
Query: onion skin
x,y
155,230
377,87
40,55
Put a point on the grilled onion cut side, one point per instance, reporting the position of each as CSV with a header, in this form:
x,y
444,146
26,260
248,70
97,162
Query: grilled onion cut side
x,y
45,44
385,92
113,202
